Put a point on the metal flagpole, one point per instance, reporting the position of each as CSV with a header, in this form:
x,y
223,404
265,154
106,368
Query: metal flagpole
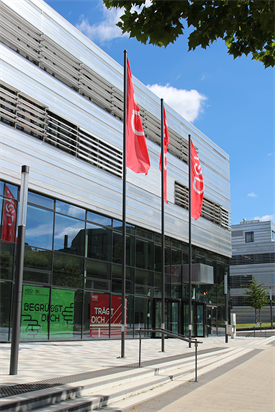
x,y
124,214
190,246
162,230
17,292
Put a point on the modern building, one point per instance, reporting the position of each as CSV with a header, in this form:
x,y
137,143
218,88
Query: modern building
x,y
61,115
253,254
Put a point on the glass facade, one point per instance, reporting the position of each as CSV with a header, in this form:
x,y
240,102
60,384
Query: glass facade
x,y
72,275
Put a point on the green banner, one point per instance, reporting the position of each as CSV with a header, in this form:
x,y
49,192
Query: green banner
x,y
36,313
62,313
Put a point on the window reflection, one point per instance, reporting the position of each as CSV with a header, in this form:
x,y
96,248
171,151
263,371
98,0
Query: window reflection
x,y
144,254
69,235
35,276
37,258
39,227
67,270
70,210
96,218
99,242
6,260
12,188
5,298
40,200
96,269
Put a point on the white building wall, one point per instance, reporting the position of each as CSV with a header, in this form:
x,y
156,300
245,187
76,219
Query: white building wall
x,y
63,176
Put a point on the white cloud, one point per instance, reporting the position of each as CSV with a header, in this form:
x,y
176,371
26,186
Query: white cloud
x,y
104,30
252,194
265,218
188,103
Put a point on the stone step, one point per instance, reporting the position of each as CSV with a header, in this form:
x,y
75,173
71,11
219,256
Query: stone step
x,y
99,392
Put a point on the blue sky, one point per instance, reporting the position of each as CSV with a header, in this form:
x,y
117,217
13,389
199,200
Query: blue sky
x,y
231,101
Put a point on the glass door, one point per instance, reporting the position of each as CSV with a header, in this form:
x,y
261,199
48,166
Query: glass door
x,y
199,320
171,316
172,321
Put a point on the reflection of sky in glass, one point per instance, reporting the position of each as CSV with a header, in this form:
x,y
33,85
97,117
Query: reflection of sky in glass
x,y
39,227
13,189
102,220
66,226
70,210
40,200
1,188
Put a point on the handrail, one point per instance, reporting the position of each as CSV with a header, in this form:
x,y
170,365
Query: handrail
x,y
173,335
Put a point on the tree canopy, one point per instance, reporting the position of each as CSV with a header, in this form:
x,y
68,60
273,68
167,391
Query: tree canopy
x,y
257,296
246,26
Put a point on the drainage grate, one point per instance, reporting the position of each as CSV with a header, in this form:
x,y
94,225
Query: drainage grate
x,y
11,390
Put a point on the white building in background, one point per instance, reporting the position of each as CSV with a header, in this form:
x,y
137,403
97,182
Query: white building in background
x,y
253,254
61,114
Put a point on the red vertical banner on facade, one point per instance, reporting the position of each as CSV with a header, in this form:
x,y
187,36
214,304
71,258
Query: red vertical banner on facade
x,y
102,316
137,158
197,184
166,142
9,217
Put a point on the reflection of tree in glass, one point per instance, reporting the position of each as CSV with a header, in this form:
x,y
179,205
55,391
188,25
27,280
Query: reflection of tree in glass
x,y
67,271
36,258
5,263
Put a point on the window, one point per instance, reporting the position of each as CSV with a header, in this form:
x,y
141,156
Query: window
x,y
273,235
249,237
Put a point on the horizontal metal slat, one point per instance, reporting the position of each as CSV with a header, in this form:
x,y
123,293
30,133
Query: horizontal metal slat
x,y
106,168
60,62
104,146
53,45
18,31
22,47
56,70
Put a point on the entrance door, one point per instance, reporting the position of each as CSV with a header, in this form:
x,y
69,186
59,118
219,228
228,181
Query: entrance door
x,y
173,316
211,315
199,319
172,320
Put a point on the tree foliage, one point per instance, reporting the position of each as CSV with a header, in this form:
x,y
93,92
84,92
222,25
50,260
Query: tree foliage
x,y
246,26
257,296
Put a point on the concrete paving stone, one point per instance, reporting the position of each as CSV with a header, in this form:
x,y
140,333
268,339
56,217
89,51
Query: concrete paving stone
x,y
247,382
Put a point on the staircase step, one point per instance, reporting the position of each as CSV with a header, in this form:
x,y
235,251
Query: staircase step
x,y
132,384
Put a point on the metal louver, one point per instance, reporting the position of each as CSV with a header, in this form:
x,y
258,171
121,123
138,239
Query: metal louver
x,y
33,45
29,116
210,210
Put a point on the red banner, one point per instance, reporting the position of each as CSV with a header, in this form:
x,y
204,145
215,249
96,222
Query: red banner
x,y
137,158
9,217
166,142
197,184
101,315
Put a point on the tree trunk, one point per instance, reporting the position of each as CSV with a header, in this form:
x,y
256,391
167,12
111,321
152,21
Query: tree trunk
x,y
255,316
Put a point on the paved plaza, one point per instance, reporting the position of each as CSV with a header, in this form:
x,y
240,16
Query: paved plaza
x,y
245,383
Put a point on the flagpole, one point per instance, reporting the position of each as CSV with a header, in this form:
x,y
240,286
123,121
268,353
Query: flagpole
x,y
124,214
190,247
162,230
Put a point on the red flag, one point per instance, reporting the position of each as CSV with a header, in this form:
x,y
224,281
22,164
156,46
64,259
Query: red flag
x,y
9,217
137,158
197,184
166,142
